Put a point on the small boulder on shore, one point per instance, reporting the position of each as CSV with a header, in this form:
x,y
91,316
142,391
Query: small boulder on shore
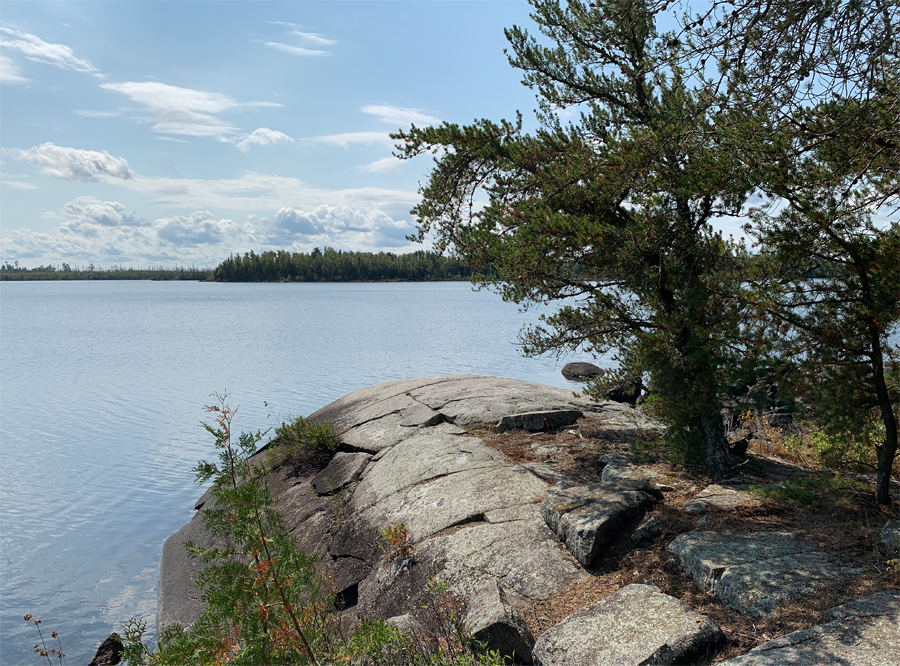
x,y
580,372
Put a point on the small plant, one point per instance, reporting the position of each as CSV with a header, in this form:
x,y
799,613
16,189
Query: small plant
x,y
41,648
294,438
397,544
441,638
812,490
892,573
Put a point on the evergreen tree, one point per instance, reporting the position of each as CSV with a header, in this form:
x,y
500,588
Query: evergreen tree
x,y
614,211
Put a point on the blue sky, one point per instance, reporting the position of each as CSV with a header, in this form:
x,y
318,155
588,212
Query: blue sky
x,y
140,133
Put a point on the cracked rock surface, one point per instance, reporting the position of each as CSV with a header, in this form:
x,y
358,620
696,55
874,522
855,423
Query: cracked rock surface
x,y
473,518
636,626
754,573
865,632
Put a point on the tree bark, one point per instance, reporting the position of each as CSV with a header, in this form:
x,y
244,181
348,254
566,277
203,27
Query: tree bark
x,y
717,448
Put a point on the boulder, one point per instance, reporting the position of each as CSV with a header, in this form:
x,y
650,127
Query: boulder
x,y
649,531
636,626
539,421
109,653
718,498
344,468
629,476
754,573
587,519
499,626
865,632
890,538
581,371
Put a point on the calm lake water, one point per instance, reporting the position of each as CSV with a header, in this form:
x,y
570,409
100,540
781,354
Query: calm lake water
x,y
101,397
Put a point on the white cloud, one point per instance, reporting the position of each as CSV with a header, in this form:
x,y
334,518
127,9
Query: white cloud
x,y
87,113
313,38
20,185
200,228
344,140
254,192
345,227
35,48
295,50
381,166
8,71
105,232
75,164
262,136
85,215
398,115
177,110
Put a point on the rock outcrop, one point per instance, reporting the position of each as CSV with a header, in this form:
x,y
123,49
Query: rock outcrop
x,y
865,632
473,518
637,625
512,537
754,573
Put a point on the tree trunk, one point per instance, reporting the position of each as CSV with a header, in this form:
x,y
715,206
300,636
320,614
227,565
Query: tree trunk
x,y
886,453
716,443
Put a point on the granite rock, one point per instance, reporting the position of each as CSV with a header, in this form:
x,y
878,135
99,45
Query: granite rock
x,y
638,625
587,519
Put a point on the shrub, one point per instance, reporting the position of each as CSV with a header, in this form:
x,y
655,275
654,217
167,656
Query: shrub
x,y
301,436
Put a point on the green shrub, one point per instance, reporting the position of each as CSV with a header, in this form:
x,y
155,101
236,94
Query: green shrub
x,y
301,436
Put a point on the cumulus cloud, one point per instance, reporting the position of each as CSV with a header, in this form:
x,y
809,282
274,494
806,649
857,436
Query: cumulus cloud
x,y
398,115
199,228
75,164
262,136
8,71
86,214
107,232
338,226
35,48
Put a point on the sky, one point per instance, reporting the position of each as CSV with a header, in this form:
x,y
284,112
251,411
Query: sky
x,y
176,133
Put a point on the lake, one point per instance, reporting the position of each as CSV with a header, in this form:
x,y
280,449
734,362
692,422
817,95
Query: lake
x,y
101,397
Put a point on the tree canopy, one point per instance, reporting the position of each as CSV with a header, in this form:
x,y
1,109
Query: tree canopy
x,y
646,140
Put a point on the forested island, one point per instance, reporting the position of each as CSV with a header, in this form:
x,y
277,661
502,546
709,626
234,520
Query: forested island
x,y
337,266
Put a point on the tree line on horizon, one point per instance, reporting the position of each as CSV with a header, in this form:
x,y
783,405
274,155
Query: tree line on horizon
x,y
333,265
15,272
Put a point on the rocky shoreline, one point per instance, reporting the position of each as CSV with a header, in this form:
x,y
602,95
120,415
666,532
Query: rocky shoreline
x,y
519,497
